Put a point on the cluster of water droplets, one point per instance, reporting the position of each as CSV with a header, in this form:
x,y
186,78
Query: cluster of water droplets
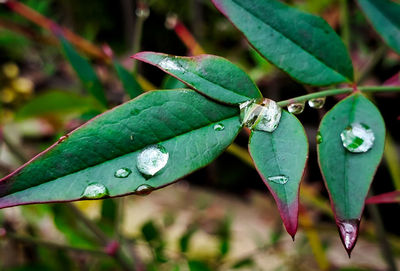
x,y
298,107
260,114
357,138
169,65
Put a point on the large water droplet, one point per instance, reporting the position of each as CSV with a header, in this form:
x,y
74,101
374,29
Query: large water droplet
x,y
170,65
95,191
279,179
122,172
260,114
357,138
144,189
151,160
317,103
348,230
319,138
219,127
296,108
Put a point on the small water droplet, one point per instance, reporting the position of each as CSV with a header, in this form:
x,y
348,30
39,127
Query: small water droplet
x,y
151,160
61,139
296,108
95,191
132,137
170,65
317,103
319,138
219,127
122,172
144,189
279,179
348,232
357,138
260,114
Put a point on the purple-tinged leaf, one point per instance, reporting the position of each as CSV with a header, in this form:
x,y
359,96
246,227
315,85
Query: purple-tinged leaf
x,y
390,197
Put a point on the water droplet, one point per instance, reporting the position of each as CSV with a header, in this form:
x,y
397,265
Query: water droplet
x,y
219,127
122,172
296,108
61,139
132,137
151,160
170,65
260,114
348,230
317,103
357,138
95,191
319,138
279,179
144,189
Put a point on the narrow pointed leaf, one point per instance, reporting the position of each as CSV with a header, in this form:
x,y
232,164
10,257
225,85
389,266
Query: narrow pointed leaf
x,y
84,71
282,154
131,86
181,121
213,76
384,17
301,44
390,197
348,175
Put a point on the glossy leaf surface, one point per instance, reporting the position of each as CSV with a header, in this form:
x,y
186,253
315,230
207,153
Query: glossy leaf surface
x,y
84,71
348,175
301,44
385,18
211,75
131,86
181,121
279,155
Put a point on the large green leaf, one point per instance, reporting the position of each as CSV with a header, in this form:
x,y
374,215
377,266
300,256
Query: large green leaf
x,y
131,86
211,75
385,17
84,71
301,44
348,175
280,158
181,121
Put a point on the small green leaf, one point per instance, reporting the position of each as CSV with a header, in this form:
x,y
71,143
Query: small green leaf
x,y
280,158
131,86
84,71
211,75
57,102
385,18
348,175
178,123
301,44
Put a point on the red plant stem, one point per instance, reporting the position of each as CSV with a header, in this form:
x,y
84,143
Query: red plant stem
x,y
188,39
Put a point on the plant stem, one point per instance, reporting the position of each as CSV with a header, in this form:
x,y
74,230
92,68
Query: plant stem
x,y
376,58
332,92
345,26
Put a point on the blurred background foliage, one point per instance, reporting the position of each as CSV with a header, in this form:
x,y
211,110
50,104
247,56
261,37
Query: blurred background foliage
x,y
218,218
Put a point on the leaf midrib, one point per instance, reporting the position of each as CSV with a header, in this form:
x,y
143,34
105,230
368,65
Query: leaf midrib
x,y
293,42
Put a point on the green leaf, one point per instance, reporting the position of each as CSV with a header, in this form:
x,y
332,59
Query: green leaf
x,y
84,71
131,86
301,44
57,102
348,175
170,82
384,17
211,75
280,158
181,121
195,265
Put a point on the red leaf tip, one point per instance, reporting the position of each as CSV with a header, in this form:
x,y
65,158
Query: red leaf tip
x,y
348,230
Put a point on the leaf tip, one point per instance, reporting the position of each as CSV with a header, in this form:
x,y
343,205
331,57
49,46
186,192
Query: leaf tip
x,y
290,218
140,55
348,230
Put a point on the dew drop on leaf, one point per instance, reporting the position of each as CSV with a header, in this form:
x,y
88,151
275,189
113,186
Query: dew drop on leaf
x,y
95,191
122,173
144,189
170,65
279,179
296,108
317,103
357,138
319,138
348,232
260,114
219,127
151,160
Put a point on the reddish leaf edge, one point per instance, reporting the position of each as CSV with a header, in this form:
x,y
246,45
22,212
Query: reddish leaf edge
x,y
352,235
390,197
